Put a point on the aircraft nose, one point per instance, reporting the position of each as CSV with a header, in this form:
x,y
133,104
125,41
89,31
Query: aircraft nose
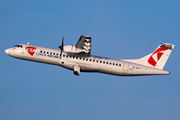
x,y
7,51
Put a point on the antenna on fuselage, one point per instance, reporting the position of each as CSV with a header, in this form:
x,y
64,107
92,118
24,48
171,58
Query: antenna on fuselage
x,y
28,43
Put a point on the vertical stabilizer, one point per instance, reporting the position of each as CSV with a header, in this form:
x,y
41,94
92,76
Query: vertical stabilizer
x,y
156,59
160,56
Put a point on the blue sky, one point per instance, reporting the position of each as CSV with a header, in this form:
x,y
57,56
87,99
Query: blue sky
x,y
119,29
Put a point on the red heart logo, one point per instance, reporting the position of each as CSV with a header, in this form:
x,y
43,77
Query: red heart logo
x,y
31,50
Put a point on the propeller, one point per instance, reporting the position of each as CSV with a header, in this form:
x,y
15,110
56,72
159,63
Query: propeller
x,y
61,47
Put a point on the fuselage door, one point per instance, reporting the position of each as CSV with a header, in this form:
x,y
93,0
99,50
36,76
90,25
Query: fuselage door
x,y
125,67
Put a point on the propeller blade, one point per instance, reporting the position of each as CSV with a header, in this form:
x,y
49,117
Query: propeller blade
x,y
61,47
61,54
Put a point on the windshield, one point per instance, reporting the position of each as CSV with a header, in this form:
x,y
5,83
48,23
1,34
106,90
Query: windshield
x,y
18,46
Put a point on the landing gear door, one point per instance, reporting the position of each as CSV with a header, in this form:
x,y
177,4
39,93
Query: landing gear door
x,y
125,67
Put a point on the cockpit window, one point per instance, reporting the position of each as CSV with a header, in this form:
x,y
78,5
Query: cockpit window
x,y
18,46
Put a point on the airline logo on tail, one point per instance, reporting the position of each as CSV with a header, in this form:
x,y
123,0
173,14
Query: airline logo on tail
x,y
154,58
31,50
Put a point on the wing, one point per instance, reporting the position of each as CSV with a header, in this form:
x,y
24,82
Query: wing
x,y
84,44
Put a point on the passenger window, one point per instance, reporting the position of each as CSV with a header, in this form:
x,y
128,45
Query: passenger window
x,y
86,59
80,58
90,60
66,55
103,62
69,56
119,65
83,58
110,63
137,68
57,54
100,61
44,51
76,57
50,53
63,55
47,52
113,64
106,62
40,51
93,60
53,53
73,56
97,61
116,64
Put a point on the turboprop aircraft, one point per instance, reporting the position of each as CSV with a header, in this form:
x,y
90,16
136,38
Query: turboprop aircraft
x,y
79,59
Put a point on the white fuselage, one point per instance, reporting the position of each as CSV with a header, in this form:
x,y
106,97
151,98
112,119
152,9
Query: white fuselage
x,y
86,63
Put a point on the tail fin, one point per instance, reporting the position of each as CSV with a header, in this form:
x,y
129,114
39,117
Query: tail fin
x,y
156,59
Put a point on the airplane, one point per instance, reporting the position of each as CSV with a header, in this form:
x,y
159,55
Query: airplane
x,y
78,58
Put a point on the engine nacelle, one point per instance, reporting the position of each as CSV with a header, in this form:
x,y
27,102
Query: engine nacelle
x,y
72,49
